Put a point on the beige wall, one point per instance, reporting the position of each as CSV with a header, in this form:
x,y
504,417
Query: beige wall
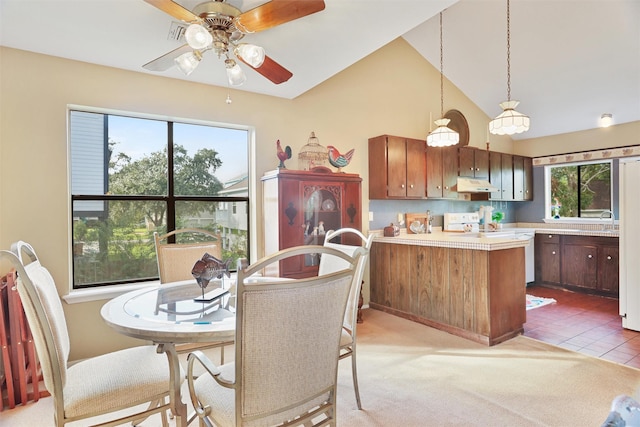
x,y
365,100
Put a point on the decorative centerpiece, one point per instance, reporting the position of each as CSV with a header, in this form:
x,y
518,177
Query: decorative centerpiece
x,y
208,268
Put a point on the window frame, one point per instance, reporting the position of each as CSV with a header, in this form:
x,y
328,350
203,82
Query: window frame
x,y
547,193
115,288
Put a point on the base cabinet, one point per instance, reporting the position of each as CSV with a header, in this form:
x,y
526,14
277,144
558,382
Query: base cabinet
x,y
580,263
478,295
299,207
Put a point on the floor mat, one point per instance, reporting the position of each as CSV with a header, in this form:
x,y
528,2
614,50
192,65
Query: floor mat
x,y
535,302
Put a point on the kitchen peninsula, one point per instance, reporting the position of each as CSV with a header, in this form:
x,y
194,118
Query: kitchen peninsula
x,y
464,284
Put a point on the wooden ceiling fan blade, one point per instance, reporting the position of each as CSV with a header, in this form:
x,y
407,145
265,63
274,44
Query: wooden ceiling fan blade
x,y
166,61
274,13
272,70
174,9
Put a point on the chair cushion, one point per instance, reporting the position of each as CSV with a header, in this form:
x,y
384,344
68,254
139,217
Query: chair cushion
x,y
115,381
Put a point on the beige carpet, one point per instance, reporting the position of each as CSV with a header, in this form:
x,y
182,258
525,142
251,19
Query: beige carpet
x,y
412,375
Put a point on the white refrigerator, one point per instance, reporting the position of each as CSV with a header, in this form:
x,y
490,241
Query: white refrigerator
x,y
629,203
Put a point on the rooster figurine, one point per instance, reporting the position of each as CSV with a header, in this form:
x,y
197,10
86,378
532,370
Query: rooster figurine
x,y
339,160
283,154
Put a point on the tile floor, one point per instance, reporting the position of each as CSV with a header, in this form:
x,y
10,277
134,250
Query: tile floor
x,y
584,323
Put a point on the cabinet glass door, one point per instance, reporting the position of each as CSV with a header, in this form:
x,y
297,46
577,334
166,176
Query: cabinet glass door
x,y
321,214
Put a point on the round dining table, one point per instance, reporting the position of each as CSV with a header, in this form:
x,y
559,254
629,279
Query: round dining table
x,y
174,313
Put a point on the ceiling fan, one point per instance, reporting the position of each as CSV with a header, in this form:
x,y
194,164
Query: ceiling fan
x,y
218,26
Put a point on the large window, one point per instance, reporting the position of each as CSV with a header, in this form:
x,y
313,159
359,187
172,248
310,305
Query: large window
x,y
578,190
132,176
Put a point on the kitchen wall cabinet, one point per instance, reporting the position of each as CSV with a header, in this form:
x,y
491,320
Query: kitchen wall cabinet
x,y
522,178
300,206
442,172
580,263
474,162
397,168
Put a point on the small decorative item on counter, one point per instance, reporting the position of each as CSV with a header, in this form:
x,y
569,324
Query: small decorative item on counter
x,y
496,217
282,154
391,231
339,160
312,155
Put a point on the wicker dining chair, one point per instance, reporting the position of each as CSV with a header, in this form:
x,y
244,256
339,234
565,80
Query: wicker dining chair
x,y
331,264
97,386
286,360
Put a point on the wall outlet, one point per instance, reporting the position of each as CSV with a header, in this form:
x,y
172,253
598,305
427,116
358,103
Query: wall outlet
x,y
370,216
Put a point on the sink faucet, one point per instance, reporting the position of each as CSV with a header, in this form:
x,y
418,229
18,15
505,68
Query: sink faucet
x,y
613,220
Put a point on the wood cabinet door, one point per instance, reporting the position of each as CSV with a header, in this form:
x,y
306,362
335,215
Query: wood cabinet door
x,y
580,265
507,176
396,167
416,168
547,258
495,174
528,178
608,269
481,164
449,172
518,178
466,157
434,172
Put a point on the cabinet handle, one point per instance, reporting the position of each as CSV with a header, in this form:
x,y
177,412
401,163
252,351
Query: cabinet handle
x,y
609,257
553,252
402,186
411,186
470,169
589,256
446,188
477,169
551,236
438,187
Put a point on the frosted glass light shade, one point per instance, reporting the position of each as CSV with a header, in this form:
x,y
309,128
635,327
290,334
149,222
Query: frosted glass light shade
x,y
234,73
250,53
606,120
442,136
187,62
510,121
198,37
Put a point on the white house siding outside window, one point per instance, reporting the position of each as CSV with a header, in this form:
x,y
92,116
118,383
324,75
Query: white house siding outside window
x,y
131,176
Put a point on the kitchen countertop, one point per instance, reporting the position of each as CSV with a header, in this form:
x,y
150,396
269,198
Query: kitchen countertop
x,y
484,241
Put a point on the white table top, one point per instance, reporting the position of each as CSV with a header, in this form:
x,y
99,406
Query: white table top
x,y
169,314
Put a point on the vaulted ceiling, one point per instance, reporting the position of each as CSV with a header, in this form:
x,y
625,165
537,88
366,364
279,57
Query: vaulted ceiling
x,y
571,60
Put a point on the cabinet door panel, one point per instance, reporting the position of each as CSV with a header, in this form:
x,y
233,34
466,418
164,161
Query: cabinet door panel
x,y
579,265
449,172
528,178
396,167
495,174
434,172
608,269
518,178
467,162
481,163
416,168
507,176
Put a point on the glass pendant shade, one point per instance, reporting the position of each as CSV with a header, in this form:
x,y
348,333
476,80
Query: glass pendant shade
x,y
509,122
442,136
198,37
251,54
234,73
187,62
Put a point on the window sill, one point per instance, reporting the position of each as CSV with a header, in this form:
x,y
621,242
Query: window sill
x,y
578,221
104,293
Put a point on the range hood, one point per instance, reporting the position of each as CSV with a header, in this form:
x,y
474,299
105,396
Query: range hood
x,y
475,185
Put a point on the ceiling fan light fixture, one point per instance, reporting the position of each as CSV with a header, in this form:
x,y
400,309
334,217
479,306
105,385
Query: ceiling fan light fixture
x,y
198,37
509,122
187,62
442,136
251,54
234,73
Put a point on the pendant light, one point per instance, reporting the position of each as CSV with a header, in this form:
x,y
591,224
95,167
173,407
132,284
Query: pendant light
x,y
442,136
510,121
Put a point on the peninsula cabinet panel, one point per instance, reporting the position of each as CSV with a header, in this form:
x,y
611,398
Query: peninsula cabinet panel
x,y
479,295
397,168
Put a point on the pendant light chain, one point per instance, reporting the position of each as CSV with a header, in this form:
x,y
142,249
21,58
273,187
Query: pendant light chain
x,y
441,72
508,53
